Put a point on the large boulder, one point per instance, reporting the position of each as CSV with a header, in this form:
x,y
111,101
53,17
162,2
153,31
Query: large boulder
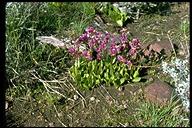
x,y
158,92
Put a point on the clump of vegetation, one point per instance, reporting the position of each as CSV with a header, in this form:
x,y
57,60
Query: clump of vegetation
x,y
24,55
150,115
121,12
100,57
107,59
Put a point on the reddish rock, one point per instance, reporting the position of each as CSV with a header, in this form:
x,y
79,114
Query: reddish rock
x,y
158,92
157,47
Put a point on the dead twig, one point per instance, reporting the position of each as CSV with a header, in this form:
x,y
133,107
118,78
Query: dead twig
x,y
78,102
48,88
171,43
152,33
146,66
58,116
83,99
108,93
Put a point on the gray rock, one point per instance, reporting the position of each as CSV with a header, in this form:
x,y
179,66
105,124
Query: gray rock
x,y
158,92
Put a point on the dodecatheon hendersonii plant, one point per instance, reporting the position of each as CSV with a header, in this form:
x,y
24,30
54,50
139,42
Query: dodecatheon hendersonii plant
x,y
104,44
105,57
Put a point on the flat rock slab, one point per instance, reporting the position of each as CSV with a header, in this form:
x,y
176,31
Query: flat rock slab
x,y
158,46
158,92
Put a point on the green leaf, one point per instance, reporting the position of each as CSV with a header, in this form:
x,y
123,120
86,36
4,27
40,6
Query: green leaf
x,y
114,59
97,82
106,75
119,22
86,75
137,79
122,80
121,71
116,10
112,75
101,64
136,73
126,75
93,66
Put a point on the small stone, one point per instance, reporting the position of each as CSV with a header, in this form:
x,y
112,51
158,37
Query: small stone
x,y
110,102
40,117
181,52
97,101
6,105
92,98
123,102
158,39
158,92
75,97
126,125
120,106
67,108
51,124
125,105
60,114
108,98
116,102
121,88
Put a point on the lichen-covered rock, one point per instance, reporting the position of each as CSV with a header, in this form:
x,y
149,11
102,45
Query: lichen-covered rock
x,y
158,92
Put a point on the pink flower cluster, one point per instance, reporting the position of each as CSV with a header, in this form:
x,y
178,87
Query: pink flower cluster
x,y
104,44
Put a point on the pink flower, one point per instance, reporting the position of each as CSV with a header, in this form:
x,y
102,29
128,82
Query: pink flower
x,y
132,51
135,43
123,38
121,59
90,30
128,62
98,35
121,47
98,56
103,45
71,50
87,54
92,42
107,36
113,50
98,49
83,37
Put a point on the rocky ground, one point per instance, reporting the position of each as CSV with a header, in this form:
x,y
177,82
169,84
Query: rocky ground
x,y
104,105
